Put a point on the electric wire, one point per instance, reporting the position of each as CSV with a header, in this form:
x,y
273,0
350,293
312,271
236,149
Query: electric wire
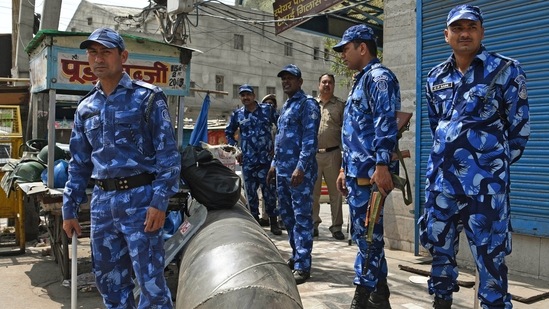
x,y
275,41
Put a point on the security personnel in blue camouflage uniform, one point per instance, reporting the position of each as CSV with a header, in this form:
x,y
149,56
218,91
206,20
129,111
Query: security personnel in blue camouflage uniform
x,y
124,140
255,121
295,169
369,136
478,131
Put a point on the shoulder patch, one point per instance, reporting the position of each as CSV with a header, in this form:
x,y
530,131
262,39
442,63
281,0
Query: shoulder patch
x,y
521,82
382,86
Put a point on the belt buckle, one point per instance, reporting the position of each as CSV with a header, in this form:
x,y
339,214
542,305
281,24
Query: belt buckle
x,y
121,184
321,150
99,183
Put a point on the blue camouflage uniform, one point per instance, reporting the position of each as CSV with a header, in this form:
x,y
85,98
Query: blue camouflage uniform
x,y
295,148
369,136
115,137
256,141
475,141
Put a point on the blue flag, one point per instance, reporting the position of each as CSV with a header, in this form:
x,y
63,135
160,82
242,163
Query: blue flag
x,y
200,131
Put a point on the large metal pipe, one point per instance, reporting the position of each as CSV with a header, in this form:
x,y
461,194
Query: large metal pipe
x,y
231,263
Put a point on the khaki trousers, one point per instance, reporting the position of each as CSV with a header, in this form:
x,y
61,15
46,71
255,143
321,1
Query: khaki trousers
x,y
329,164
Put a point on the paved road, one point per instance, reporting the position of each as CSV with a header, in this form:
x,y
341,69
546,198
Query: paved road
x,y
33,281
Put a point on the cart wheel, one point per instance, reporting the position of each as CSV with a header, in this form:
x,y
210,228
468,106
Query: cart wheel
x,y
59,244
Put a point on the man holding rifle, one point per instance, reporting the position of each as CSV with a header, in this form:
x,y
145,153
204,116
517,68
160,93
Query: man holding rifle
x,y
369,136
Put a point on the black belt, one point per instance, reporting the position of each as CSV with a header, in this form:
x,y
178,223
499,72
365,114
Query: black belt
x,y
125,183
327,149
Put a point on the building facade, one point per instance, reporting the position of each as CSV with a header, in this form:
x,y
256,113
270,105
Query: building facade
x,y
233,50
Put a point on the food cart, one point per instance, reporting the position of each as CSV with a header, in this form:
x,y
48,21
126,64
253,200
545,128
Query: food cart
x,y
59,67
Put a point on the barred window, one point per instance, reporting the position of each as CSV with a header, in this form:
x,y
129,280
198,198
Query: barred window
x,y
288,49
191,91
239,41
270,90
219,85
235,91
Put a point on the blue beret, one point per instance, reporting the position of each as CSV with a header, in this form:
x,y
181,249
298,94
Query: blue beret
x,y
358,32
292,69
464,11
106,37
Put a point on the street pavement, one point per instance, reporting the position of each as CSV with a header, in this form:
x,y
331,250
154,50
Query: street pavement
x,y
33,280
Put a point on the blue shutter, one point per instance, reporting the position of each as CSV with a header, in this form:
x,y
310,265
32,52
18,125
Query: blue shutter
x,y
517,29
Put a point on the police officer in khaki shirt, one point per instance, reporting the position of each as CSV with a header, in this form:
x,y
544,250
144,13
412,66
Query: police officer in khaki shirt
x,y
329,153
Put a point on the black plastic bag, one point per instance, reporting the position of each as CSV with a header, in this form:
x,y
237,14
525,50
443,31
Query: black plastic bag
x,y
211,183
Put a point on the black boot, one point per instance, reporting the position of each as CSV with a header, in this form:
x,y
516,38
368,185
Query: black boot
x,y
440,303
275,229
263,222
379,299
360,300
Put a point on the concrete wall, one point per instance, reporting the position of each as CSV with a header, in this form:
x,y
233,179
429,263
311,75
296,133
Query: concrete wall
x,y
529,254
399,55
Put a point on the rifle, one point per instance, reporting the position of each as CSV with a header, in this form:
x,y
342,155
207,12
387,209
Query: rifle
x,y
377,200
403,184
373,212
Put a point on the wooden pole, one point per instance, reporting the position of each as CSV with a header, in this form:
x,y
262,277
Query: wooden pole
x,y
209,91
14,79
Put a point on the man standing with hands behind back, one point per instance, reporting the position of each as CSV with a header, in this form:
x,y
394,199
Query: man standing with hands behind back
x,y
124,140
479,119
329,153
369,137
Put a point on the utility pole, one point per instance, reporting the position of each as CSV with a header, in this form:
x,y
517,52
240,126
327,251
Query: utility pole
x,y
23,35
51,12
14,29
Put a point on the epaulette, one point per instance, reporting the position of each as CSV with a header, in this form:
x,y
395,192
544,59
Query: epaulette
x,y
92,91
143,84
514,61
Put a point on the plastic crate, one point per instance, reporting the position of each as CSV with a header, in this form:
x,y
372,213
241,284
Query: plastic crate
x,y
12,237
10,121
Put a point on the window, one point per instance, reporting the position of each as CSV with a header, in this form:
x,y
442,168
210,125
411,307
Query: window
x,y
288,49
191,91
326,54
256,91
239,41
314,93
316,53
219,81
73,29
236,95
270,90
90,21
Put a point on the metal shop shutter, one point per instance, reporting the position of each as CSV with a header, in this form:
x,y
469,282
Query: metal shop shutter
x,y
516,29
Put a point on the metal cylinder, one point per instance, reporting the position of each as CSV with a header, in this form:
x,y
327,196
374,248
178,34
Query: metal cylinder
x,y
231,263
